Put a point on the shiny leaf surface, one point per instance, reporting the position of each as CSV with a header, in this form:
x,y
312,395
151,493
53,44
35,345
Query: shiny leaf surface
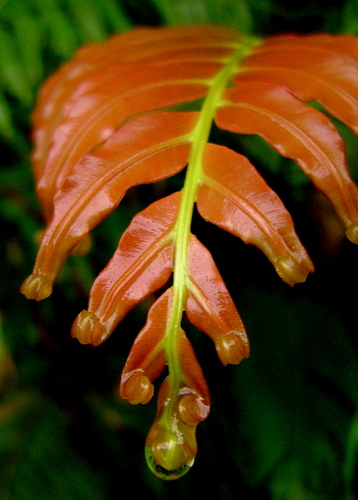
x,y
105,122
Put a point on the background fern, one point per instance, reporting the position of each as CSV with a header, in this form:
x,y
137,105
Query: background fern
x,y
284,424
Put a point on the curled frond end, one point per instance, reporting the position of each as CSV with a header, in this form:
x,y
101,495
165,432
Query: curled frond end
x,y
137,388
88,329
167,457
292,272
37,287
232,347
192,409
171,447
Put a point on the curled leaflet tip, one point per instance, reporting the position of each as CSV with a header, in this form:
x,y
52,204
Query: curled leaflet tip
x,y
37,287
88,329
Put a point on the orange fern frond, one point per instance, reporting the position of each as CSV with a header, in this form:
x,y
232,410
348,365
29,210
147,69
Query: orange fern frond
x,y
105,123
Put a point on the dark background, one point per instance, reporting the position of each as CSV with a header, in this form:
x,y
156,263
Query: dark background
x,y
283,424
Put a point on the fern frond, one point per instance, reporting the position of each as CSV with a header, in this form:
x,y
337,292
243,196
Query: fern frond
x,y
103,124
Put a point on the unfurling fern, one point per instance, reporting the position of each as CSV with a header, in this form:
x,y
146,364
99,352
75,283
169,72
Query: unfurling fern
x,y
103,124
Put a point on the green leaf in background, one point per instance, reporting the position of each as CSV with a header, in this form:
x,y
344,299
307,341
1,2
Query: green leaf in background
x,y
298,402
37,459
351,459
12,75
226,12
7,126
350,16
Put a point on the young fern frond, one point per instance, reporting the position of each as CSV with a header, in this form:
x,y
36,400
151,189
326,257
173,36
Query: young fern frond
x,y
103,125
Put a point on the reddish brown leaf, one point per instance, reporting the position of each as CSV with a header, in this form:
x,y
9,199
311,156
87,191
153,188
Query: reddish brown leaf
x,y
235,197
105,123
149,148
318,67
141,265
210,308
297,132
93,118
88,99
146,360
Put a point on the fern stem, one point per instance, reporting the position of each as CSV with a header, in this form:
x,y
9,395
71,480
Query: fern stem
x,y
194,173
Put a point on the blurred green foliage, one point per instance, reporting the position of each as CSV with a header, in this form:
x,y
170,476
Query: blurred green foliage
x,y
284,424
